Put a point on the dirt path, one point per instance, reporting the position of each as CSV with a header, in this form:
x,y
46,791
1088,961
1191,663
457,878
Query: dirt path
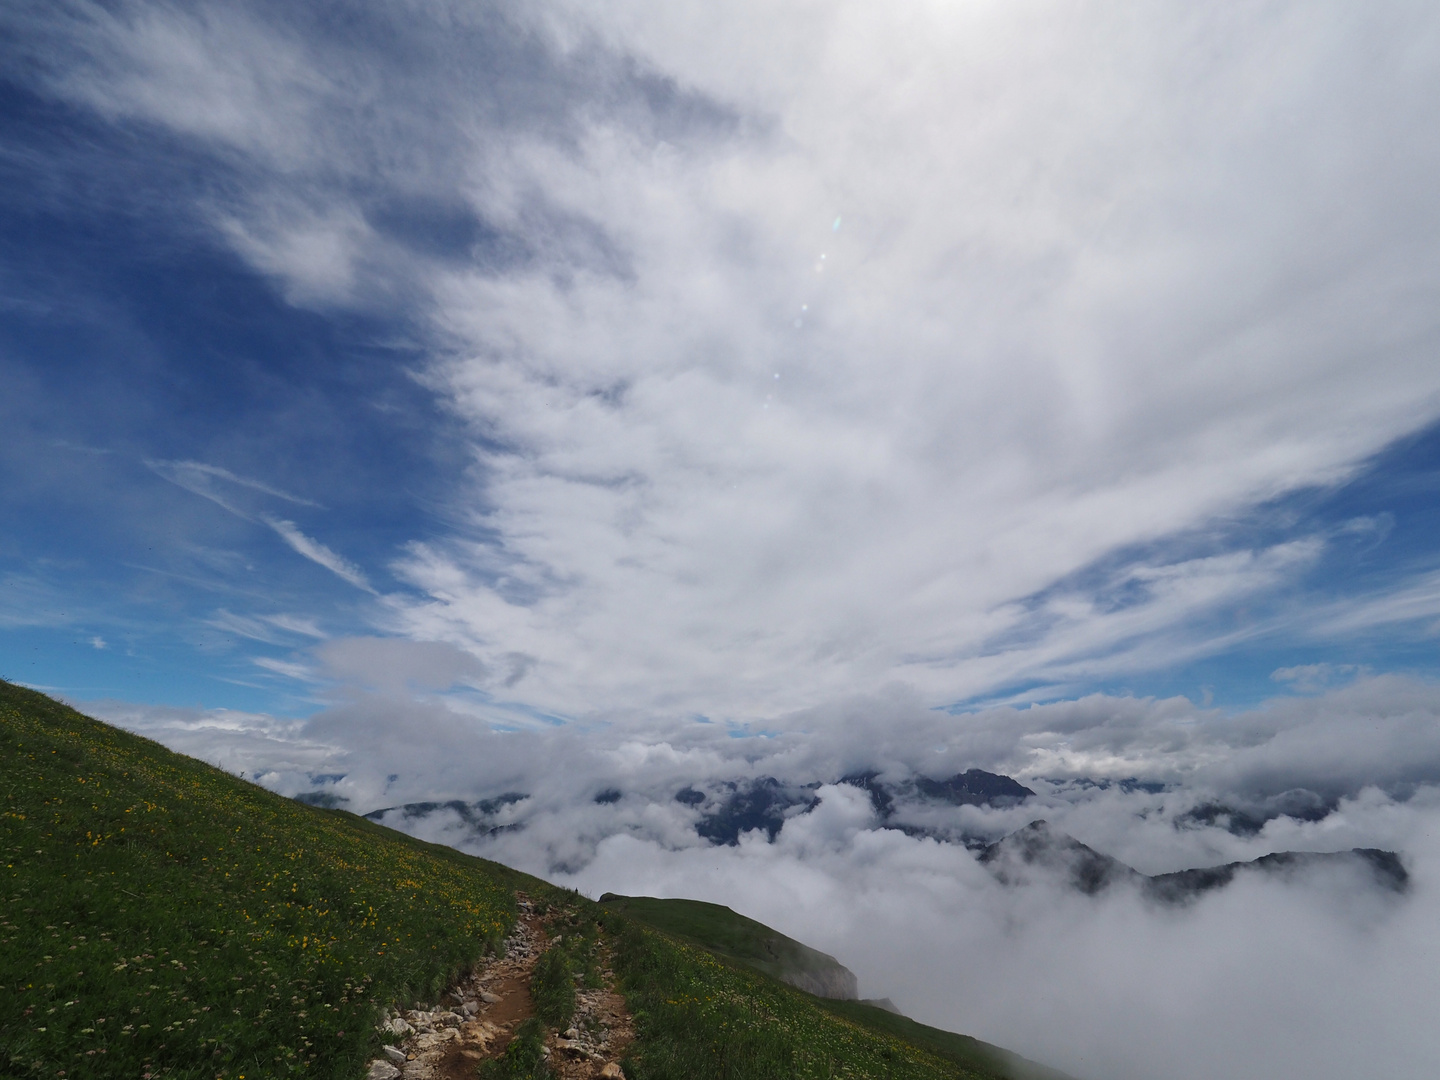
x,y
489,1033
479,1016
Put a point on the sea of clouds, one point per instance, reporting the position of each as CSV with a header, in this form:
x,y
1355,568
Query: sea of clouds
x,y
1319,974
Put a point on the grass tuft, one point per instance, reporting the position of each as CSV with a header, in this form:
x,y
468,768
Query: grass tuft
x,y
524,1058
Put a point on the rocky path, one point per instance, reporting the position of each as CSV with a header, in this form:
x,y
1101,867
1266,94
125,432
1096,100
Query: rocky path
x,y
596,1039
479,1016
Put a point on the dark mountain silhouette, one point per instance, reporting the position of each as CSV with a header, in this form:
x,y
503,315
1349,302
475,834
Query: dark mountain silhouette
x,y
1038,849
1247,820
975,787
478,815
760,804
1038,846
1385,867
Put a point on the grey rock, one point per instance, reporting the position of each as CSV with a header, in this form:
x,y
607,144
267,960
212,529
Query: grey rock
x,y
380,1069
395,1055
489,998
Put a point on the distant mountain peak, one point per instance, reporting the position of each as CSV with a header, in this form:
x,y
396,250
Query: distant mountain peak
x,y
975,787
1038,845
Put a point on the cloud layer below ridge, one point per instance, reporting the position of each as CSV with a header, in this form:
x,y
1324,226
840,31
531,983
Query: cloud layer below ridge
x,y
1315,973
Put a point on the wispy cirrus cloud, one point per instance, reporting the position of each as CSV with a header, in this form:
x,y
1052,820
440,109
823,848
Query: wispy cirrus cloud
x,y
318,553
269,629
198,478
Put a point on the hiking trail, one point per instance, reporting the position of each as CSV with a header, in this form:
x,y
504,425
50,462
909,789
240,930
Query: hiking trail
x,y
478,1016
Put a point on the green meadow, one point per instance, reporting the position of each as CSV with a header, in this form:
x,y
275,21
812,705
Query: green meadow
x,y
161,917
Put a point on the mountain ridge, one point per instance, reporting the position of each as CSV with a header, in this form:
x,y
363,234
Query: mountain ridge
x,y
725,931
1040,845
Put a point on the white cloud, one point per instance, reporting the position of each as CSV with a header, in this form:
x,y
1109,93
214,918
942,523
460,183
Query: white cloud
x,y
396,664
318,553
1043,331
1307,678
296,624
284,667
1412,601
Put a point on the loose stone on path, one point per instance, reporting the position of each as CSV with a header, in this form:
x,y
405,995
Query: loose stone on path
x,y
447,1043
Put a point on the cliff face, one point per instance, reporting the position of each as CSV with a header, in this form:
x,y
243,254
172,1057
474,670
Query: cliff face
x,y
836,981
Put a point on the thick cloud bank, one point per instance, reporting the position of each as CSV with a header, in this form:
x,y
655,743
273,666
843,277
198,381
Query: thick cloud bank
x,y
1321,972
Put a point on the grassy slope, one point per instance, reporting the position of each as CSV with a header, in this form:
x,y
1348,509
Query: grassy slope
x,y
160,918
961,1049
722,930
731,935
703,1017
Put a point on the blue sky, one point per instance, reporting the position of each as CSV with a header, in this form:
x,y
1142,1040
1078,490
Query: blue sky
x,y
138,355
654,372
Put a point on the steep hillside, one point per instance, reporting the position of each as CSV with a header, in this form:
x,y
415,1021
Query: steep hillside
x,y
730,934
965,1051
161,918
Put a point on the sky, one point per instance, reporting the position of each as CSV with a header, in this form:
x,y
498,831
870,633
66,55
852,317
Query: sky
x,y
443,398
